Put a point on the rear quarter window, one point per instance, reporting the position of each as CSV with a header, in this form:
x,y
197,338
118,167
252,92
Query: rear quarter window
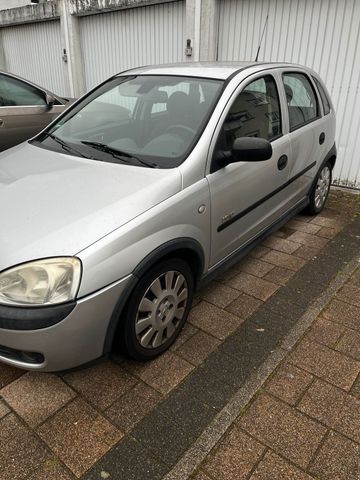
x,y
324,98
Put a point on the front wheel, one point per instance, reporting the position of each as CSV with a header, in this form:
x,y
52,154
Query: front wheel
x,y
320,190
157,309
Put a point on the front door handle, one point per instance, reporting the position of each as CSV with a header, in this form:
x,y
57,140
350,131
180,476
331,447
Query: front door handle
x,y
1,122
322,138
282,162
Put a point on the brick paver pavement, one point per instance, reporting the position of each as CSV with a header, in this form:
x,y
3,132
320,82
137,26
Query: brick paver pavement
x,y
305,421
125,420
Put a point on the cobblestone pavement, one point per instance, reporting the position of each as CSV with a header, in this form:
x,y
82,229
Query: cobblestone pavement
x,y
125,420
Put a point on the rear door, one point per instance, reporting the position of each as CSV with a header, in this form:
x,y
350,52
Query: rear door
x,y
23,111
306,131
247,197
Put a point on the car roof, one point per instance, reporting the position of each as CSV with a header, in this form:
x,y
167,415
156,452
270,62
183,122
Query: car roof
x,y
216,70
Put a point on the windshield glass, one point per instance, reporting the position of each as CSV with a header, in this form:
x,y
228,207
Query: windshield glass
x,y
141,120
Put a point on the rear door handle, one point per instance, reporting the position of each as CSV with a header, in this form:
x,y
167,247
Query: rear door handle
x,y
322,138
1,122
282,162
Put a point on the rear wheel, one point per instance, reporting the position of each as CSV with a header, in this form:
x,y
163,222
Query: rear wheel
x,y
158,309
320,190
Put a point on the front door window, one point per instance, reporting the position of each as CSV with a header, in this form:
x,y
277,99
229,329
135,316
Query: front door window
x,y
254,113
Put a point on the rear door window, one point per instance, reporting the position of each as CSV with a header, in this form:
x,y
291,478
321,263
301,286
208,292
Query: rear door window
x,y
301,99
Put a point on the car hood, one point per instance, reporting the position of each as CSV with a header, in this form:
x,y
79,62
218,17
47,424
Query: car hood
x,y
56,204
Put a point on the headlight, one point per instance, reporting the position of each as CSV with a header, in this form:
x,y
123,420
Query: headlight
x,y
42,282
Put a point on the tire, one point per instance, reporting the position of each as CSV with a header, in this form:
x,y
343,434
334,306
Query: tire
x,y
157,309
320,190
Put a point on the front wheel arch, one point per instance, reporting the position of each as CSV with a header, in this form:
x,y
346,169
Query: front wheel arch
x,y
175,297
186,249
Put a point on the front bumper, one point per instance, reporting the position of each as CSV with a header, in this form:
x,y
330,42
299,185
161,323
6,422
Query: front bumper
x,y
76,339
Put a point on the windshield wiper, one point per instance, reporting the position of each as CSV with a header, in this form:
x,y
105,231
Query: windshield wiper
x,y
118,153
67,147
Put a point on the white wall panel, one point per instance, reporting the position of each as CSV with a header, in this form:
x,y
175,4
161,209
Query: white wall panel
x,y
115,41
6,4
322,34
34,51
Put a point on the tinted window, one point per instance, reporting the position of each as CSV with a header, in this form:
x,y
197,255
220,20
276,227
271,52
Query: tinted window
x,y
301,99
254,113
324,98
14,92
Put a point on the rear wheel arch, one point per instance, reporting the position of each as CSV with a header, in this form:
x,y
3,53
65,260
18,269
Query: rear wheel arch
x,y
320,189
332,161
330,157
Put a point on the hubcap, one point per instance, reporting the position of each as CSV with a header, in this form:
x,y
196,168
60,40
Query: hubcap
x,y
322,187
161,309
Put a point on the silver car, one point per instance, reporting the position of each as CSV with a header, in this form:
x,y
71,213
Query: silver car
x,y
140,192
25,109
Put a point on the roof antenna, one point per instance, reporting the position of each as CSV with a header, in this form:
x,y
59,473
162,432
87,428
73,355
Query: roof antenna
x,y
262,35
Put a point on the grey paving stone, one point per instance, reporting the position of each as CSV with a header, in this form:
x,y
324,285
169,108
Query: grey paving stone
x,y
186,410
302,287
322,268
207,388
252,343
273,323
231,370
283,305
346,245
302,292
129,460
165,438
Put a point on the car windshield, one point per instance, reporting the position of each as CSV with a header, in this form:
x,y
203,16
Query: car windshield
x,y
142,120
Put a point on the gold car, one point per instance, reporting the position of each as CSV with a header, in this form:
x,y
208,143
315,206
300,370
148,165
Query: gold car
x,y
25,109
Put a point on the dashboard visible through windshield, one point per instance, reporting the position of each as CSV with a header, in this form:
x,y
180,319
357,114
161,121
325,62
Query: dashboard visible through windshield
x,y
145,120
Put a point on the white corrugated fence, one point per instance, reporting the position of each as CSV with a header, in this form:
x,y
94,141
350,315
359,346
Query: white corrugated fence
x,y
34,51
115,41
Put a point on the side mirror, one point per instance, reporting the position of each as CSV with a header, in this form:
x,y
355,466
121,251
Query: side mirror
x,y
251,149
50,100
245,149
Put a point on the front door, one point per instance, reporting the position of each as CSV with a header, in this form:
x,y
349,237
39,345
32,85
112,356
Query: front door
x,y
247,196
